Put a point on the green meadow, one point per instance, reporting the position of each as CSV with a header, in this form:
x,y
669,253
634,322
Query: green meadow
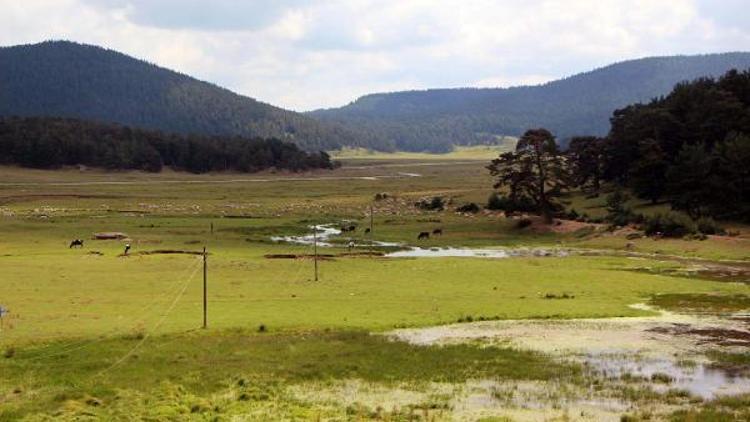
x,y
94,334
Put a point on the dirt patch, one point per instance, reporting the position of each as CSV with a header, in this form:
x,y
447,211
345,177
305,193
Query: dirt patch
x,y
651,335
164,252
705,271
5,200
363,254
109,236
707,336
328,257
557,226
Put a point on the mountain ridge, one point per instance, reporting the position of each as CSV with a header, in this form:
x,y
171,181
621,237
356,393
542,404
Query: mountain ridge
x,y
68,79
579,104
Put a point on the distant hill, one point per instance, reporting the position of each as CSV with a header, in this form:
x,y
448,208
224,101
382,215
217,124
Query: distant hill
x,y
582,104
66,79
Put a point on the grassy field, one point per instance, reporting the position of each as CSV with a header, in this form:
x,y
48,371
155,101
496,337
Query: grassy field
x,y
476,152
91,332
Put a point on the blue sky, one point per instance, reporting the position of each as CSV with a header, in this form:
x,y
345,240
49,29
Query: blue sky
x,y
305,54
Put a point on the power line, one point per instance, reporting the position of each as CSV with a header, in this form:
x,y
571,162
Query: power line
x,y
158,324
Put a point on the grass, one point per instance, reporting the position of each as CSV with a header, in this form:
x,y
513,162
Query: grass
x,y
735,408
476,152
704,303
74,312
204,363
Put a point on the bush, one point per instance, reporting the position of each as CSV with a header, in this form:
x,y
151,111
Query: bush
x,y
495,202
572,214
470,208
670,224
618,213
436,203
500,203
708,225
523,223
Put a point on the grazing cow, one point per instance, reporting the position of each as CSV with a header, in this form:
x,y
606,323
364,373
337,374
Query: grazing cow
x,y
127,248
349,228
437,232
423,235
367,230
351,245
76,243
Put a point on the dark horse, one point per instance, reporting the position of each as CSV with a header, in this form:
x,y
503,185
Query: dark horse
x,y
423,235
77,243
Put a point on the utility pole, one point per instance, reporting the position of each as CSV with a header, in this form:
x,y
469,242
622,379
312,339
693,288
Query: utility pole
x,y
205,274
315,250
371,241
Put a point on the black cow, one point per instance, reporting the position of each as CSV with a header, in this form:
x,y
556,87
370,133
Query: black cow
x,y
367,230
76,243
437,232
423,235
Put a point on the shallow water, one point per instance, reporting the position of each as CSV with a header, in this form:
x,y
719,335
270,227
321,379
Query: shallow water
x,y
327,231
477,253
324,231
698,379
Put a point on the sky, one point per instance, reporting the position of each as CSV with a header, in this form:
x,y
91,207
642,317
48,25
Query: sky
x,y
305,54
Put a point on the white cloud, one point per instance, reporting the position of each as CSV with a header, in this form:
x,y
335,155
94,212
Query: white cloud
x,y
303,54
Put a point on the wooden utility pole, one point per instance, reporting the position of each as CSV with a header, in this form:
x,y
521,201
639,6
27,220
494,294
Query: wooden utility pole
x,y
205,274
315,250
371,241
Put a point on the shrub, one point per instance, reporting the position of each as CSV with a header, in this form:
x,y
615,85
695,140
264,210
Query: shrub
x,y
618,213
572,214
436,203
523,223
670,224
495,202
500,203
470,208
708,225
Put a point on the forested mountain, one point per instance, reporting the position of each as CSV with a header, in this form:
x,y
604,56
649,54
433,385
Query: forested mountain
x,y
436,119
65,79
51,142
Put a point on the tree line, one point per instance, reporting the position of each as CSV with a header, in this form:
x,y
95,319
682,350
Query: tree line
x,y
690,149
48,142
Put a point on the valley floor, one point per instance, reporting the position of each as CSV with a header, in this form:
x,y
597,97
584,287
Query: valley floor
x,y
574,322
